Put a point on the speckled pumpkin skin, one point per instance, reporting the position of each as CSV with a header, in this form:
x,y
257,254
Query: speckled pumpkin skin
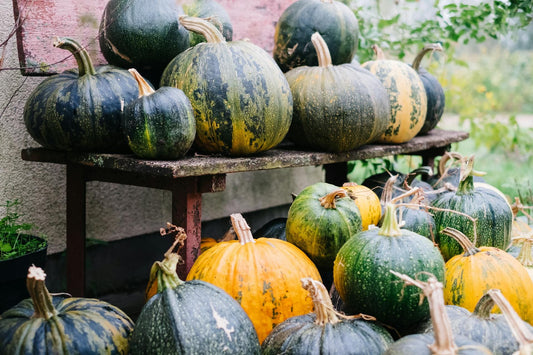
x,y
82,326
264,277
368,203
337,108
407,95
241,100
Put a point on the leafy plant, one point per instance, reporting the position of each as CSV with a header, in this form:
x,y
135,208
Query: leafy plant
x,y
14,238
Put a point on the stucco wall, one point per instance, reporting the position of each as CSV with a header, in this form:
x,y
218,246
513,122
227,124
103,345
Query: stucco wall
x,y
113,211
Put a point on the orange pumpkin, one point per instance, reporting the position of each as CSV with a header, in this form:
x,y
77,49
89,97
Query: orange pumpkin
x,y
367,201
263,275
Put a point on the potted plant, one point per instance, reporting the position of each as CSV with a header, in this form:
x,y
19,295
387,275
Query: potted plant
x,y
19,249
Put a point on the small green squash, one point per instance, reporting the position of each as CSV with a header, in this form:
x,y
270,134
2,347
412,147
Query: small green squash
x,y
336,107
190,317
335,22
407,95
46,324
80,109
362,278
159,124
325,331
211,10
241,100
321,219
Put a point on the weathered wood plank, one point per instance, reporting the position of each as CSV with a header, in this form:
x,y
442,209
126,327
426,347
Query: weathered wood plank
x,y
41,20
198,165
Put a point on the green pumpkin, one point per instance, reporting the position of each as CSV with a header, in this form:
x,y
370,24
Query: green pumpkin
x,y
241,100
434,91
159,124
142,34
492,213
362,278
336,107
45,324
325,331
80,109
275,228
212,10
190,317
335,22
320,220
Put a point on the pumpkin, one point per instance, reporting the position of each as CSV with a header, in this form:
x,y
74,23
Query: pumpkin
x,y
335,22
320,220
144,35
484,327
477,270
159,124
364,283
241,99
434,91
275,228
325,331
46,324
458,209
190,317
79,109
416,217
336,107
441,340
262,274
366,201
211,10
408,101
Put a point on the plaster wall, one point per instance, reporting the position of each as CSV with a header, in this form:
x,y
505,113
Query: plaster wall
x,y
113,211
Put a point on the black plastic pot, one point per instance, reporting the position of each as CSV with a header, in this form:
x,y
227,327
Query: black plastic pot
x,y
13,273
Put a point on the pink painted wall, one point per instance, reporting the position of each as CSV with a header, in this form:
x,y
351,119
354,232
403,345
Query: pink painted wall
x,y
42,20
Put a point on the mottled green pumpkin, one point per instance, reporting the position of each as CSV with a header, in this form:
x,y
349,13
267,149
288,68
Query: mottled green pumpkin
x,y
320,220
211,10
364,283
45,324
336,107
407,96
80,109
190,317
335,22
159,124
241,100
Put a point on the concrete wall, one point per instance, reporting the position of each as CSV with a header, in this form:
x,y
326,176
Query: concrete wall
x,y
113,211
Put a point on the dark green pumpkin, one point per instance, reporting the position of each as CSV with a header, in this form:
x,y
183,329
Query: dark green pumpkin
x,y
325,331
418,220
190,317
362,278
321,219
335,22
241,100
274,228
211,10
80,108
159,124
336,107
434,91
44,324
492,212
142,34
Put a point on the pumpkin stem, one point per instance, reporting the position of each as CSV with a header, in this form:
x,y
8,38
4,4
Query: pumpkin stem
x,y
323,307
41,298
378,52
523,335
386,194
389,226
203,27
242,229
484,306
466,176
328,201
144,88
432,47
322,50
165,271
466,244
433,290
525,257
85,64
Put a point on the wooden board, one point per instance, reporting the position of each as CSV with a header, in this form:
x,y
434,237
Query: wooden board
x,y
39,21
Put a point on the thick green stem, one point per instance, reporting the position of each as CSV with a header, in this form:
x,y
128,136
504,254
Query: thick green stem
x,y
203,27
466,244
42,300
390,227
323,307
166,269
322,50
85,65
242,229
144,88
484,306
427,48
